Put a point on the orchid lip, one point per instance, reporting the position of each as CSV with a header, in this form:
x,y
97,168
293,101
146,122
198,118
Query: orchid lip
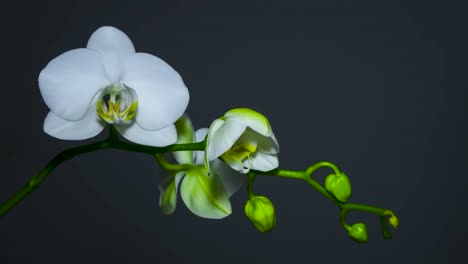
x,y
117,104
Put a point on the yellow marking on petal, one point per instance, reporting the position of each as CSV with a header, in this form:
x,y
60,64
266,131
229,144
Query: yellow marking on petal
x,y
117,104
240,152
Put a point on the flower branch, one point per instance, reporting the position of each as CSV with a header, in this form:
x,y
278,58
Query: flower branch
x,y
143,99
361,234
112,142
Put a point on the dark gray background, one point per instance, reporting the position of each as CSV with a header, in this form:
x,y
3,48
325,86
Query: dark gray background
x,y
378,87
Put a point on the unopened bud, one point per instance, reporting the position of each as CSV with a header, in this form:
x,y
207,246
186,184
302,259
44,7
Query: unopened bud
x,y
393,220
339,186
261,213
358,232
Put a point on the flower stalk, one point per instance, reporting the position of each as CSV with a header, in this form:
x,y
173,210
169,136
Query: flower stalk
x,y
143,99
114,142
344,207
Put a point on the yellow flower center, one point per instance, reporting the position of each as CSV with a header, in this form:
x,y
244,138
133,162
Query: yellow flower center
x,y
240,152
117,104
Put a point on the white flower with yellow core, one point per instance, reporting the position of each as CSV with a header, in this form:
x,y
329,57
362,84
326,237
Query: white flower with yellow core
x,y
108,82
205,194
243,138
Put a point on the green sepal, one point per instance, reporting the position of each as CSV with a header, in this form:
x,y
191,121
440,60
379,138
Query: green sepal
x,y
168,192
185,134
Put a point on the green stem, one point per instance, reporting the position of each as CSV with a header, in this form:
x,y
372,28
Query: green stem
x,y
365,208
154,150
385,232
250,180
36,180
113,135
168,166
343,220
114,142
344,207
111,142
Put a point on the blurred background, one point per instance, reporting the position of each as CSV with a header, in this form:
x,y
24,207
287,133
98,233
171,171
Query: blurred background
x,y
377,87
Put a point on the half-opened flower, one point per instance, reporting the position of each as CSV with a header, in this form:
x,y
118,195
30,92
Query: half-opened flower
x,y
243,138
205,194
108,82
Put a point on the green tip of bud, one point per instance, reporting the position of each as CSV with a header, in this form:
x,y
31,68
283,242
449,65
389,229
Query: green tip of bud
x,y
393,220
261,213
358,232
339,186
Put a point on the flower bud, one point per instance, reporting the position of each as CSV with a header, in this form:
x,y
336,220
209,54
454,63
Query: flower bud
x,y
393,220
339,186
261,213
358,232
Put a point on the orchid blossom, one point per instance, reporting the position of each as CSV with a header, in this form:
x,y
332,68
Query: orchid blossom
x,y
205,194
243,138
108,82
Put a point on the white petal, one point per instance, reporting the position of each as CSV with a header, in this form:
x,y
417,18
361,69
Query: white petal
x,y
90,126
252,119
185,134
200,135
156,138
168,192
114,46
204,195
268,145
162,95
223,138
230,178
262,162
69,82
72,130
214,127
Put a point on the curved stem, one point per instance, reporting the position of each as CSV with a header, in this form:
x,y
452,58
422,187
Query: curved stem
x,y
311,169
322,190
250,180
344,207
36,180
385,232
343,220
111,142
168,166
114,142
364,208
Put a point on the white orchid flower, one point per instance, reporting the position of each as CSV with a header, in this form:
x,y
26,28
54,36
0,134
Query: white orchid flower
x,y
108,82
243,138
205,194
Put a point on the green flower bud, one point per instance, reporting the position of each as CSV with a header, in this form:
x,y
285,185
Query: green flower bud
x,y
393,220
339,186
358,232
261,213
